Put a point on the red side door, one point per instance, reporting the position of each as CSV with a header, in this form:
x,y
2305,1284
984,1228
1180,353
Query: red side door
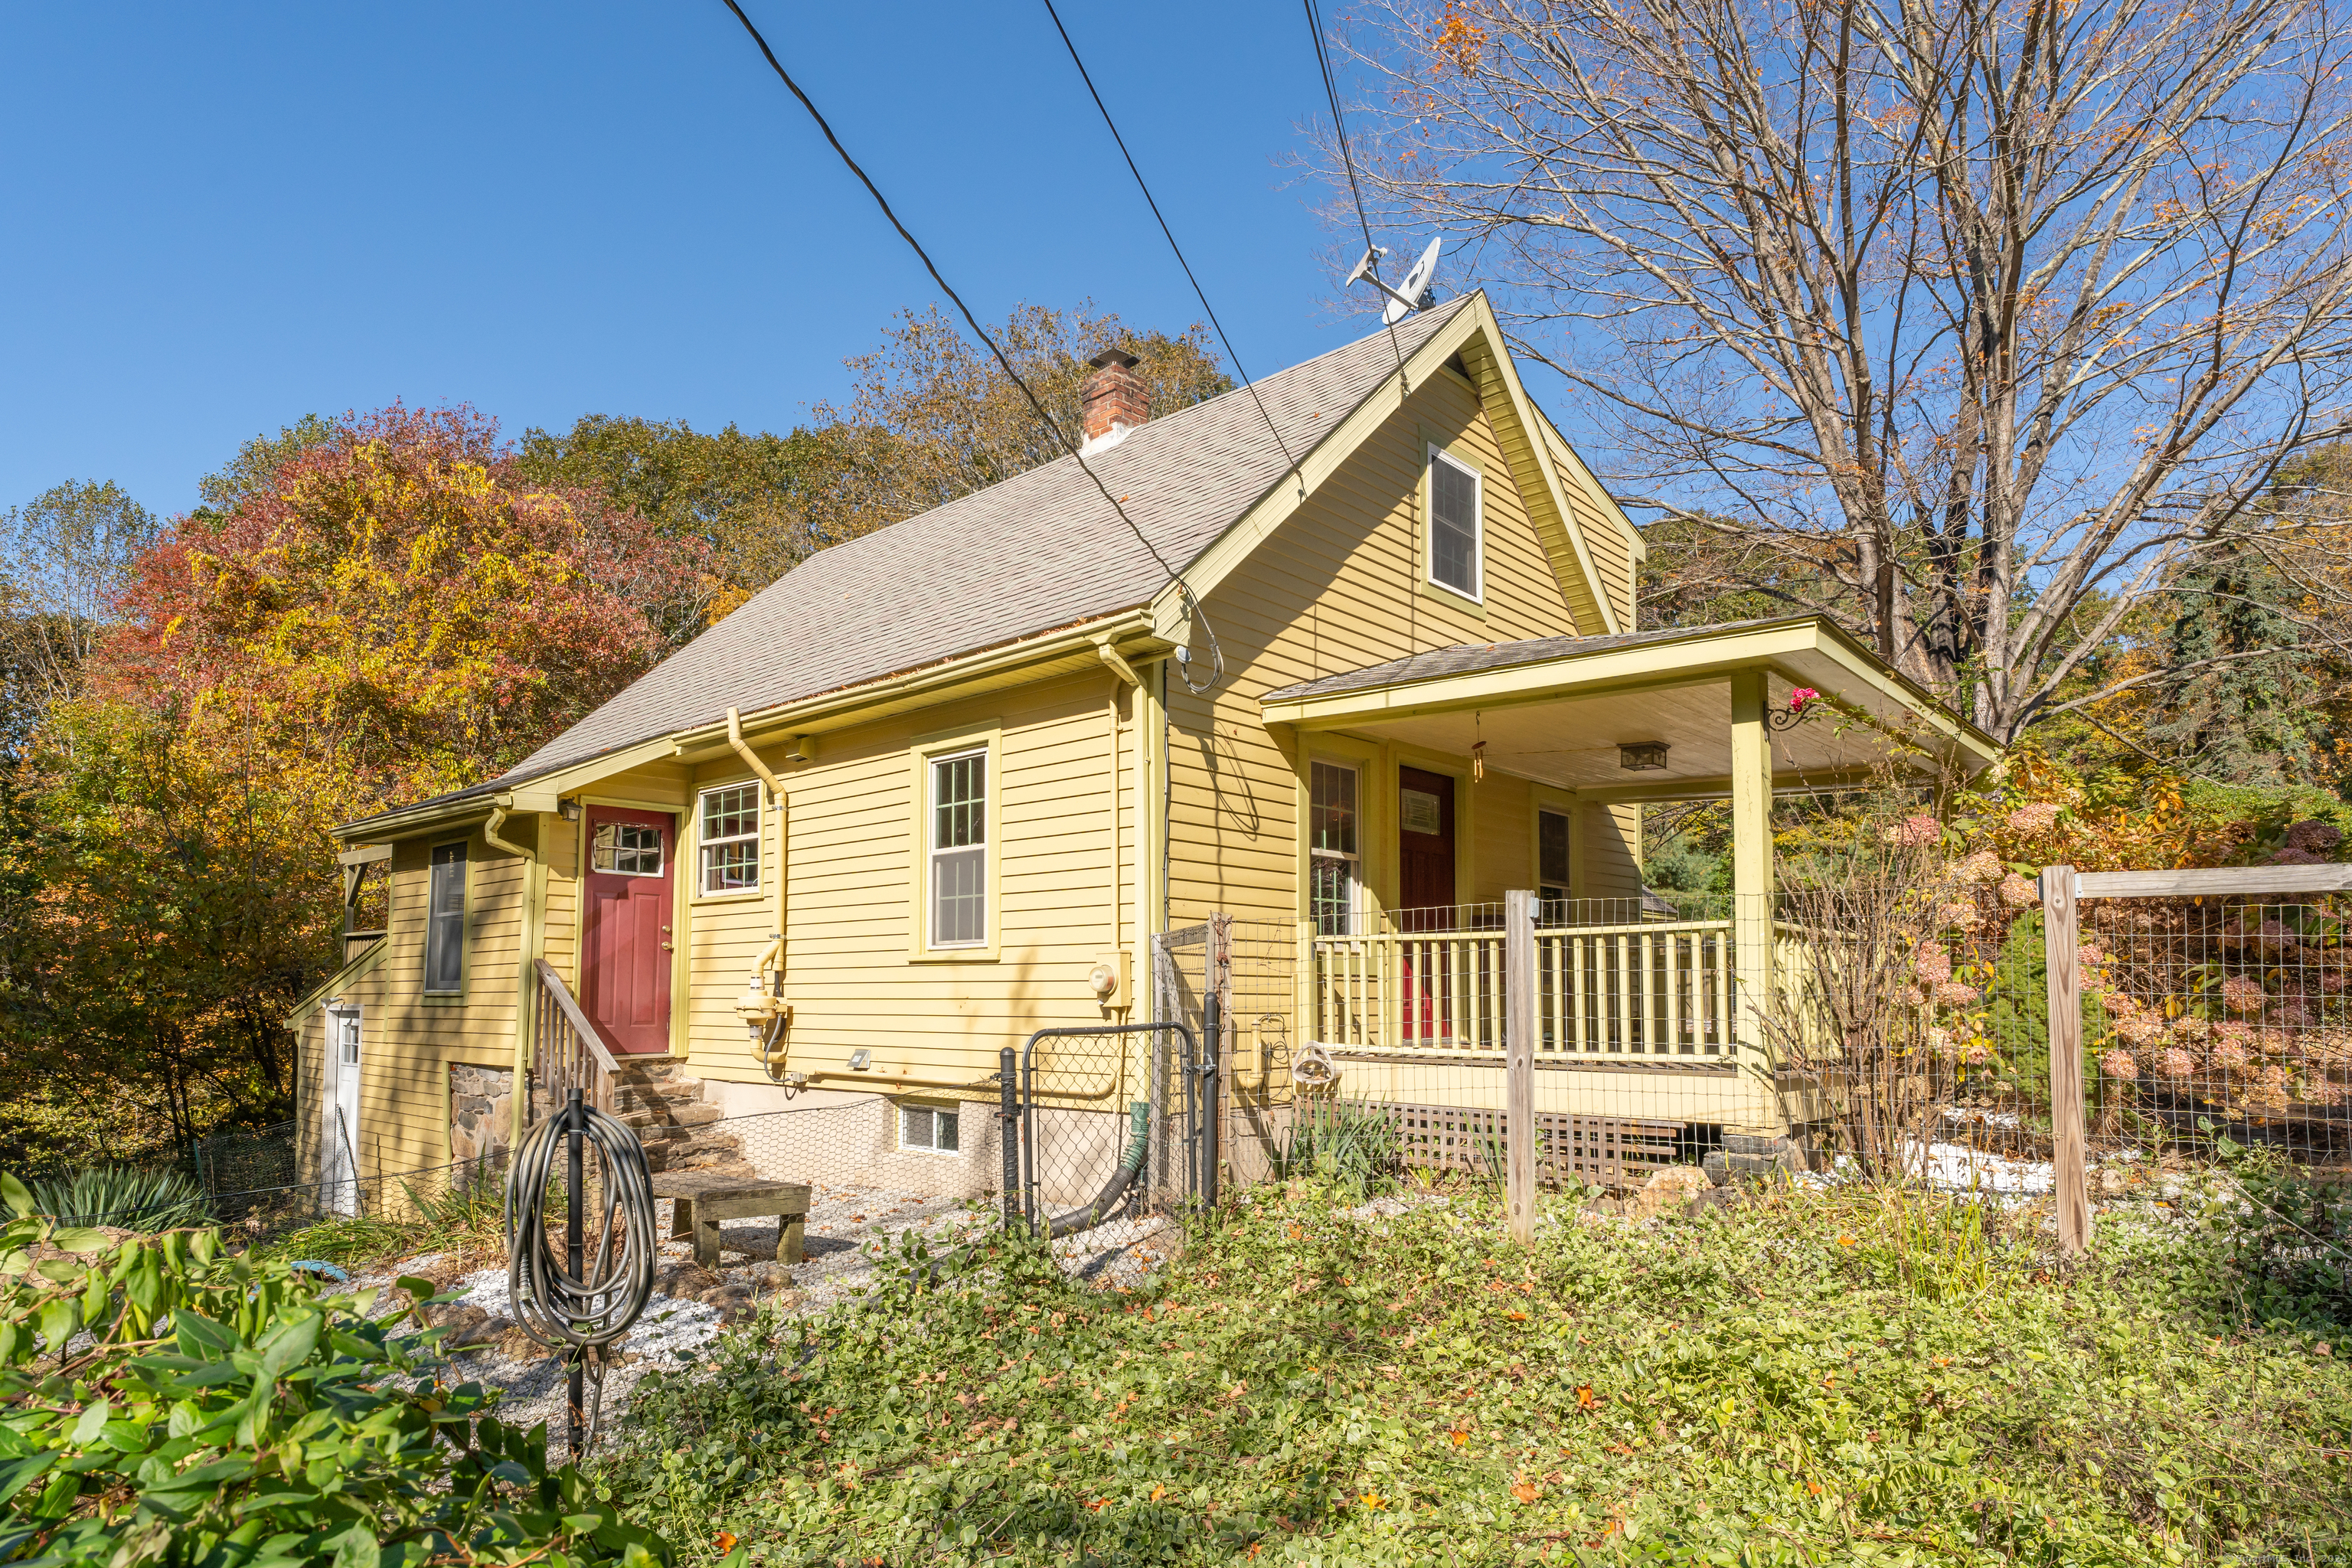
x,y
1425,886
626,960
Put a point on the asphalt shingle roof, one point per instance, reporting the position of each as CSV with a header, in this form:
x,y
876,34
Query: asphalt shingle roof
x,y
1040,550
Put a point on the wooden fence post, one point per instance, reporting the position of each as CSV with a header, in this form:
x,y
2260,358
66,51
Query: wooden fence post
x,y
2059,947
1519,1058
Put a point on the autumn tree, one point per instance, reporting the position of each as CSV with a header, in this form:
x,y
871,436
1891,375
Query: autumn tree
x,y
761,504
380,612
2003,311
947,421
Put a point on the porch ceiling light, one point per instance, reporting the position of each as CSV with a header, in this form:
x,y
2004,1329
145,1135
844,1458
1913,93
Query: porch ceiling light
x,y
1642,756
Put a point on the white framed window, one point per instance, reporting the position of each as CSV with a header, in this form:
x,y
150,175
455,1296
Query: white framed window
x,y
928,1129
626,850
729,838
444,921
1334,851
957,836
1456,543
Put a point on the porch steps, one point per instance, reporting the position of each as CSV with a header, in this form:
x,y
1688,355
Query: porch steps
x,y
665,1110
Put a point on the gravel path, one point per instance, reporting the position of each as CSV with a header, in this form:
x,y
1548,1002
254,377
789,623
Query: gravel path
x,y
848,1230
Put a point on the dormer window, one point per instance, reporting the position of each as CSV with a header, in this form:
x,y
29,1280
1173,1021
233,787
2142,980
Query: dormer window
x,y
1456,549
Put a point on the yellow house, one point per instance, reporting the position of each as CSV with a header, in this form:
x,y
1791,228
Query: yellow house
x,y
1366,662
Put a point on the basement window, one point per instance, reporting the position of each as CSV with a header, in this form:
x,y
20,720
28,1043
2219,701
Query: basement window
x,y
928,1129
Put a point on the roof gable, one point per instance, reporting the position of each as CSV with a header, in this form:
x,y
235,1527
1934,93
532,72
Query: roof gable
x,y
1469,330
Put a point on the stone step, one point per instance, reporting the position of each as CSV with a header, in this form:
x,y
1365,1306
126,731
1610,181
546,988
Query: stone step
x,y
702,1144
694,1114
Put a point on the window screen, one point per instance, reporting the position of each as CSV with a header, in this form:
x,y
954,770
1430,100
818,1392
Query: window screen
x,y
929,1127
730,838
958,849
1452,525
444,920
1331,847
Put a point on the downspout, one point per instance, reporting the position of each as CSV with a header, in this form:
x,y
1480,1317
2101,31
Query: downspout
x,y
1123,672
762,1009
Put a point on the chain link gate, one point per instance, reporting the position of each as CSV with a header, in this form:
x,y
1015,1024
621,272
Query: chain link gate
x,y
1096,1118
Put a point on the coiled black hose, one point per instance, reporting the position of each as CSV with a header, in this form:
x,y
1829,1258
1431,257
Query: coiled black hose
x,y
578,1313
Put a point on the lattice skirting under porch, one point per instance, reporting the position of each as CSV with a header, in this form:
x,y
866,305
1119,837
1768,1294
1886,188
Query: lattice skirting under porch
x,y
1608,1152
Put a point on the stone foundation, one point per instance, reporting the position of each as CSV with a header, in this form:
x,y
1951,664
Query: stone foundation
x,y
481,1110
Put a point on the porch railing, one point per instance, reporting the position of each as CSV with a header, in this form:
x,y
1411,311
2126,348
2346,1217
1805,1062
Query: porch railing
x,y
1649,989
567,1052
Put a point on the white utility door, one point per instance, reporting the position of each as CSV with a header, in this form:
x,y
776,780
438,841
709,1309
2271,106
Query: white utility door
x,y
339,1117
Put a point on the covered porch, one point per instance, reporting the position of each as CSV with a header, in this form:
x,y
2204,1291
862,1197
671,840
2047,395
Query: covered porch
x,y
1623,988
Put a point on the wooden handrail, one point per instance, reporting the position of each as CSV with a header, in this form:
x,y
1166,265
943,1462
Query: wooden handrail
x,y
554,984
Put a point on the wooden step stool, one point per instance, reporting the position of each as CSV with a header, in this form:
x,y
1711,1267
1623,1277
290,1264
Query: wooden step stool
x,y
699,1201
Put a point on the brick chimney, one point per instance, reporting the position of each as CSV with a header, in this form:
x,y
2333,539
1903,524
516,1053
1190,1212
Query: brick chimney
x,y
1113,400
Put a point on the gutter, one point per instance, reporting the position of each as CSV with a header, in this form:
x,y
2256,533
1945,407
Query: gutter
x,y
565,777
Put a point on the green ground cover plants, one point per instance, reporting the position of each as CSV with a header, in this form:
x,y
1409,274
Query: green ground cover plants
x,y
164,1401
1809,1378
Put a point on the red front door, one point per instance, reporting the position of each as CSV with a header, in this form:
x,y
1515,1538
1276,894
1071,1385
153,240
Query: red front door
x,y
1426,849
625,963
1425,878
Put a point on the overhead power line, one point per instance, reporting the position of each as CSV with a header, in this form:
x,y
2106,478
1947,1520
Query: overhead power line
x,y
1140,184
1003,360
1348,161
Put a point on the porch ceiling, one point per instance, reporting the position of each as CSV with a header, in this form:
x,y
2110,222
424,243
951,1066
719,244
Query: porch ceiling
x,y
1556,710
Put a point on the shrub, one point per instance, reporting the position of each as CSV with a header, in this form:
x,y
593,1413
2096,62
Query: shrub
x,y
168,1402
165,1198
1341,1142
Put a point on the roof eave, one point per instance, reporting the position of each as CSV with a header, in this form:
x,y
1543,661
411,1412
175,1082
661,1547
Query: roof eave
x,y
1756,643
1127,630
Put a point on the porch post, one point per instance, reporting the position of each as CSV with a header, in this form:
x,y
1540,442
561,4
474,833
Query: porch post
x,y
1751,864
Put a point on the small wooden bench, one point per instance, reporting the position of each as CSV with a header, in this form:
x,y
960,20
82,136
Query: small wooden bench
x,y
700,1201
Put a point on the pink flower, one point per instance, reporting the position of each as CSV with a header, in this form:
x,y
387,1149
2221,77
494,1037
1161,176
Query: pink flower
x,y
2018,891
1977,1054
2292,1016
2291,855
1800,696
2231,1057
2139,1029
2240,994
1957,993
1939,1041
1915,831
2175,1063
1933,964
2038,817
2320,1091
2120,1065
2314,836
1909,997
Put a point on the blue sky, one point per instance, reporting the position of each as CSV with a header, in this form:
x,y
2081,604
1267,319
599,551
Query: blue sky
x,y
222,217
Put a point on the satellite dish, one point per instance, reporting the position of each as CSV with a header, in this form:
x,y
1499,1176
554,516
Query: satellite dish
x,y
1414,294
